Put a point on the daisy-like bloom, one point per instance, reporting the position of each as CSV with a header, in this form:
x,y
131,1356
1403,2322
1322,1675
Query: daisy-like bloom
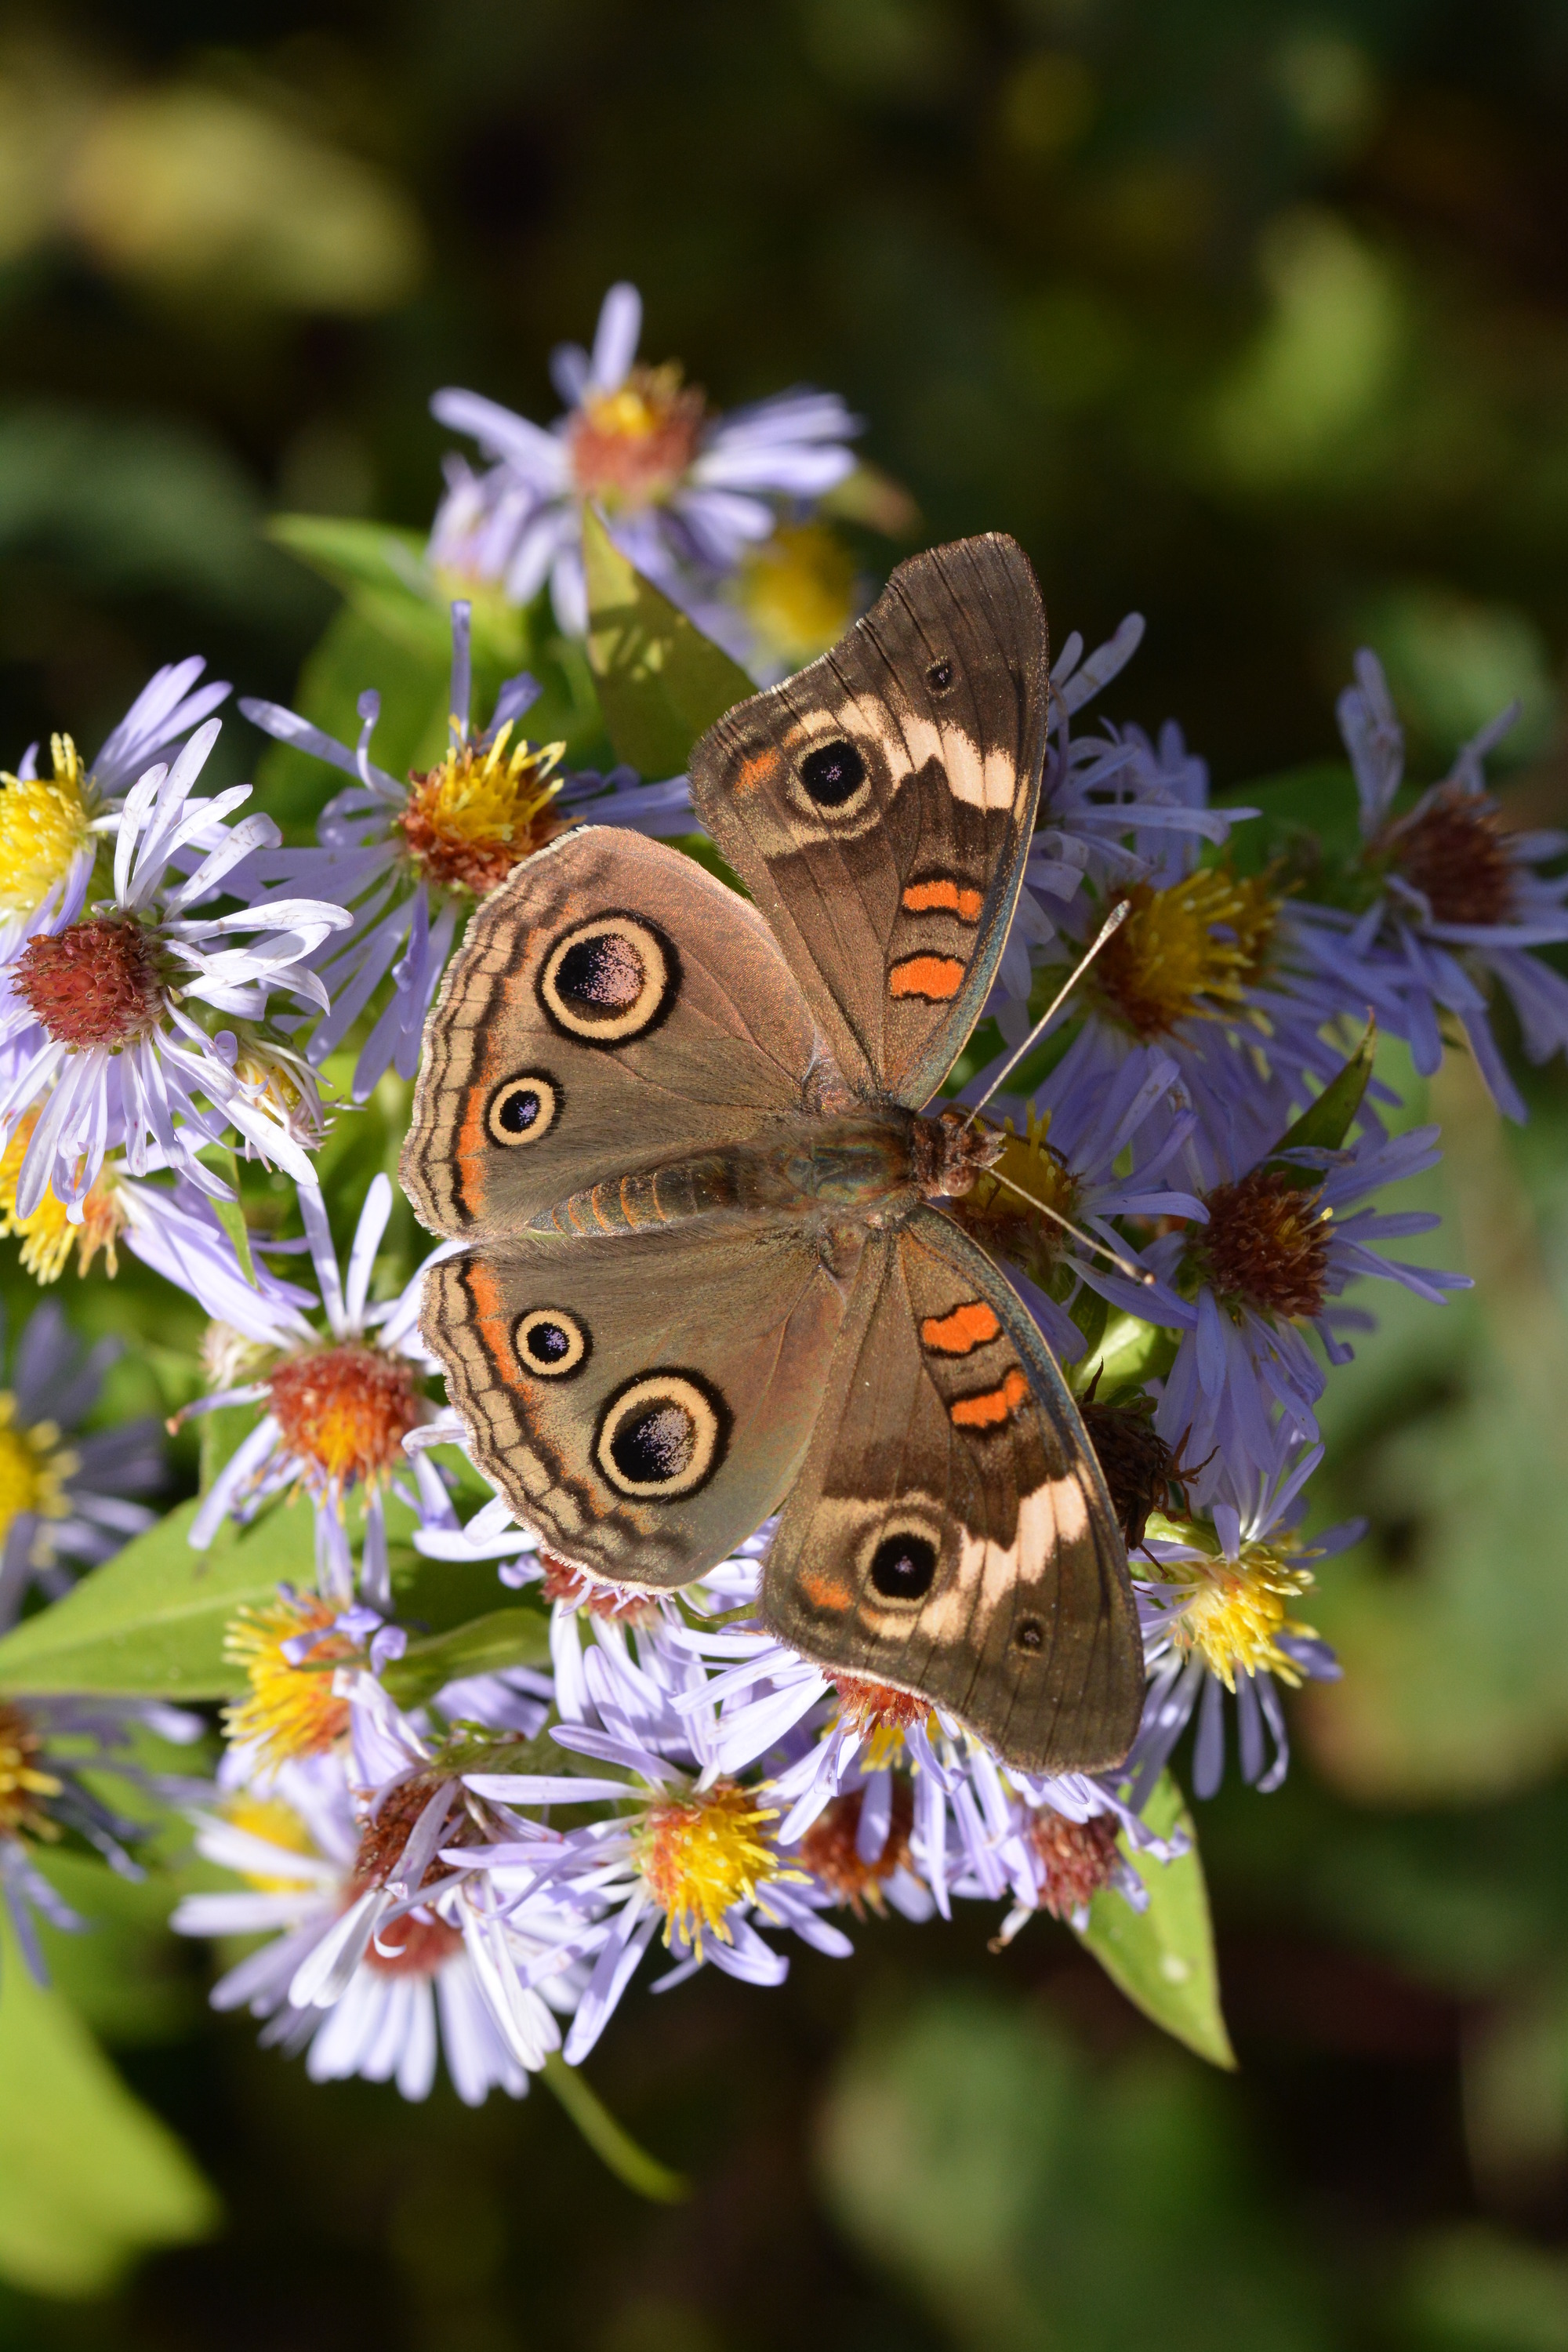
x,y
48,1742
1283,1241
1457,899
413,858
378,1938
337,1405
50,826
1218,1624
686,493
65,1494
115,1055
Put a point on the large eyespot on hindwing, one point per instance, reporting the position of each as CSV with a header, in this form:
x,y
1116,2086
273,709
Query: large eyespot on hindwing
x,y
610,980
661,1436
900,1556
523,1107
551,1344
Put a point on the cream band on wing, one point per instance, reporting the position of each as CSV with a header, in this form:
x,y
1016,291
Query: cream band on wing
x,y
551,1343
609,980
662,1436
523,1109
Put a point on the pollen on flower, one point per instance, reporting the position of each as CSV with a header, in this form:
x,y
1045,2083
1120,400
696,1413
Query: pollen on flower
x,y
797,590
877,1708
1455,851
1076,1859
575,1586
291,1710
1266,1244
47,1236
1003,1223
94,983
483,810
1232,1611
700,1856
21,1781
344,1411
828,1849
34,1467
44,826
630,448
1186,953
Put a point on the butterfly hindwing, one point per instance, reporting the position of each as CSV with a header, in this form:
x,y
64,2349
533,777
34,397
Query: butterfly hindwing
x,y
950,1532
613,1008
879,808
643,1399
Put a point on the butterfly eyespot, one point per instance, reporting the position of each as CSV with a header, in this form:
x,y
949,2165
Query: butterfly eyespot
x,y
551,1343
1030,1636
609,980
903,1566
939,677
833,773
523,1109
661,1436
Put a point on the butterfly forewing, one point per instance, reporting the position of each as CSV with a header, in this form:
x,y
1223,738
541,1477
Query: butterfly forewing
x,y
950,1532
878,805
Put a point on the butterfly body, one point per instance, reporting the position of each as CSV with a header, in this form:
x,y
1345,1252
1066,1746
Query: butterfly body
x,y
684,1139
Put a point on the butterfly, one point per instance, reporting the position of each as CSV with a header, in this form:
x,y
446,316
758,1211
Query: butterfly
x,y
682,1134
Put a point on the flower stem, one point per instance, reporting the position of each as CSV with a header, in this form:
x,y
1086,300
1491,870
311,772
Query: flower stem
x,y
616,2148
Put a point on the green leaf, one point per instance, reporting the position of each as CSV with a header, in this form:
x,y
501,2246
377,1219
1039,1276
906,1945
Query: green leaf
x,y
1163,1959
1128,1354
507,1637
662,682
150,1623
220,1159
614,2148
88,2177
352,555
1324,1124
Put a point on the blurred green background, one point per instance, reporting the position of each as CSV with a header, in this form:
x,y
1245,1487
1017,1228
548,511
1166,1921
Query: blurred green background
x,y
1253,317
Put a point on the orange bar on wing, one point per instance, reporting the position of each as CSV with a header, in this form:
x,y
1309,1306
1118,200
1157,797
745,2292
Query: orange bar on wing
x,y
992,1407
964,1329
759,770
943,896
937,978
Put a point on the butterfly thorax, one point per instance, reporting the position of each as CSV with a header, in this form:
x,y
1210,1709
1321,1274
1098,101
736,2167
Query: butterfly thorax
x,y
868,1166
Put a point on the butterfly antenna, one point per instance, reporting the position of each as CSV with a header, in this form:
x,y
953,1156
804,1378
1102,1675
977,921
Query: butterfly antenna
x,y
1112,922
1139,1273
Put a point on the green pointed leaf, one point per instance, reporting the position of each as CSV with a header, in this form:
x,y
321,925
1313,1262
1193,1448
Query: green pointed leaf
x,y
1324,1124
486,1646
352,553
220,1159
88,2177
1128,1354
614,2146
662,682
1163,1959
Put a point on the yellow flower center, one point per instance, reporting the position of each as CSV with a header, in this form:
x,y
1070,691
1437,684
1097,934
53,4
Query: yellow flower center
x,y
291,1711
47,1236
44,824
700,1855
21,1781
630,448
278,1824
1232,1611
1001,1221
33,1466
1187,952
469,820
797,590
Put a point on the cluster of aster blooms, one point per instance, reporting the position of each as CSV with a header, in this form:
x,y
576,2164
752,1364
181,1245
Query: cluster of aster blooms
x,y
465,1841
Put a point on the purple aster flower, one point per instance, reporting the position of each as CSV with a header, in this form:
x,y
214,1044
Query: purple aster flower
x,y
412,858
685,493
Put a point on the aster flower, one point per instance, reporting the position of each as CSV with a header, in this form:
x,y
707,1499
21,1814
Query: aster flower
x,y
65,1496
51,826
411,859
1216,1625
685,493
48,1743
1457,898
338,1403
116,1057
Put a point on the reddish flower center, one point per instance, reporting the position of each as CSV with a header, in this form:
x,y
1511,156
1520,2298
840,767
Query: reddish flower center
x,y
1266,1244
562,1581
345,1411
877,1706
1455,851
417,1945
1076,1859
828,1849
1136,1460
630,448
94,983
